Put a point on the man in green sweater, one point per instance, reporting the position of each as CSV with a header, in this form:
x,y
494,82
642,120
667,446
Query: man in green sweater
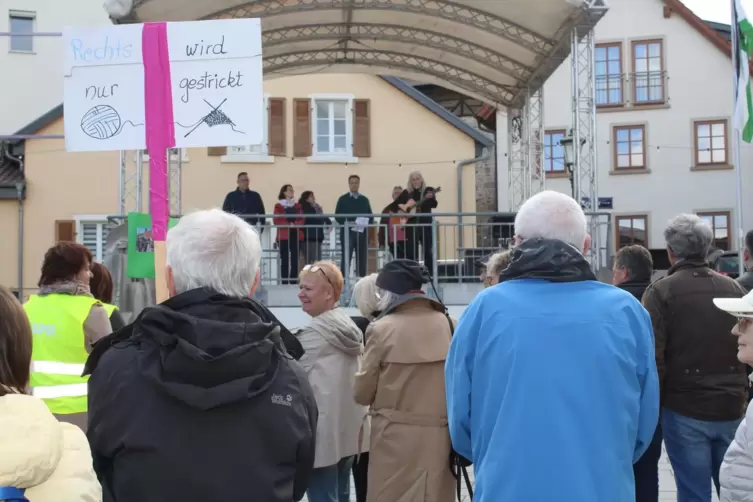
x,y
358,210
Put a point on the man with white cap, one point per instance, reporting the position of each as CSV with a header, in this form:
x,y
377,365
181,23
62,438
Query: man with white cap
x,y
736,473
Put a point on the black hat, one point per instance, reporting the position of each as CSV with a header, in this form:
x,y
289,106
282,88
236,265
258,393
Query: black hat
x,y
402,276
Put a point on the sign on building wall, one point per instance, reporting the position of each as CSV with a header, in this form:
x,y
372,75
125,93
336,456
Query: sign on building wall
x,y
215,82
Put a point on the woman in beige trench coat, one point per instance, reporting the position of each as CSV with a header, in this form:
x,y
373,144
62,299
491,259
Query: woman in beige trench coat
x,y
402,379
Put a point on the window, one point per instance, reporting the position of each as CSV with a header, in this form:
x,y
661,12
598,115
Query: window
x,y
554,153
710,142
92,231
648,72
629,147
719,222
21,25
632,230
332,126
608,68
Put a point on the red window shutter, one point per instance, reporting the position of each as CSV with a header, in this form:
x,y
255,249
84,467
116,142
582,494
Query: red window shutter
x,y
361,128
65,231
302,127
276,127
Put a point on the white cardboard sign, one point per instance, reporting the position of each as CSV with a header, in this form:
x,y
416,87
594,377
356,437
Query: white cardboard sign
x,y
215,77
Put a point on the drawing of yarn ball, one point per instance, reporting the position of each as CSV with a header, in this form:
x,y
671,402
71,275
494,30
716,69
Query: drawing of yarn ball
x,y
101,122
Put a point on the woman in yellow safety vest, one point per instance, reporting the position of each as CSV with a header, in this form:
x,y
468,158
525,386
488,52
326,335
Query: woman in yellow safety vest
x,y
65,321
101,287
42,460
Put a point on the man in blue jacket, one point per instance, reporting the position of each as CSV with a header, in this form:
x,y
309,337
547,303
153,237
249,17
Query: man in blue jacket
x,y
552,388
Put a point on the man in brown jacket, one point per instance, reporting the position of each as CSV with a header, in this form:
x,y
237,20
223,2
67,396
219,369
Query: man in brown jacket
x,y
703,385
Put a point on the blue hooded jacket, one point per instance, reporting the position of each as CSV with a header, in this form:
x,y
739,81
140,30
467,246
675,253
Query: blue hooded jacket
x,y
551,380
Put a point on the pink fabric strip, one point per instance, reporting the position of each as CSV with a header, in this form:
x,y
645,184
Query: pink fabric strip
x,y
160,125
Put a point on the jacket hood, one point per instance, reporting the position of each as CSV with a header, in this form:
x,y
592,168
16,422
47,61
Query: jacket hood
x,y
206,349
339,330
31,439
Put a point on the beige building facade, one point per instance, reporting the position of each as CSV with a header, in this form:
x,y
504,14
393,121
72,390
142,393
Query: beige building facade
x,y
321,128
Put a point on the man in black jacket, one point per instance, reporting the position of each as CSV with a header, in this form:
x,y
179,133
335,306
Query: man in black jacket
x,y
632,271
243,201
198,398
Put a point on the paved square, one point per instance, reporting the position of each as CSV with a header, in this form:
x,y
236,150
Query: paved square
x,y
667,491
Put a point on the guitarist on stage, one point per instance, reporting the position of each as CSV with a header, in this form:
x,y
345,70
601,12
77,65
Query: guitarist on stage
x,y
417,201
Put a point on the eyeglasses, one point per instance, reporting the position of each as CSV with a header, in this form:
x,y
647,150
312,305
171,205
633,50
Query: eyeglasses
x,y
317,268
744,321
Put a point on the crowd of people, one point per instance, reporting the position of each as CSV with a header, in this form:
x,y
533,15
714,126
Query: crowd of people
x,y
554,386
301,226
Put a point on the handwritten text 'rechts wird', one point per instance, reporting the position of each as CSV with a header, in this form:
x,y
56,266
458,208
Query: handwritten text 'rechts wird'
x,y
107,51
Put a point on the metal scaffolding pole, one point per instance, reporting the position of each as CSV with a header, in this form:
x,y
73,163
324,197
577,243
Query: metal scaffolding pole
x,y
174,180
534,141
585,168
130,184
517,162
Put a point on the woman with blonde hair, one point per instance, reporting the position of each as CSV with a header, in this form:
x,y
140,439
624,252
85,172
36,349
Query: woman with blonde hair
x,y
333,346
41,459
421,198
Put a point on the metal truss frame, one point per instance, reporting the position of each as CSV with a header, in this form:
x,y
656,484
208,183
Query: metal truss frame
x,y
585,167
131,182
363,33
492,91
444,9
525,147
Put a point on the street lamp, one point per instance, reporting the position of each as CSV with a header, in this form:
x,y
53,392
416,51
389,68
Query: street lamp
x,y
567,145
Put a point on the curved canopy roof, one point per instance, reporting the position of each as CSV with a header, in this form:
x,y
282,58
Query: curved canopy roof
x,y
492,50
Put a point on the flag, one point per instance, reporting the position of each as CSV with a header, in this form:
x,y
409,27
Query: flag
x,y
742,48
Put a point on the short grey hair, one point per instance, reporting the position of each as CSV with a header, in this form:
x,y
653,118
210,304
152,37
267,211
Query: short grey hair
x,y
365,296
216,250
552,215
689,236
497,263
637,261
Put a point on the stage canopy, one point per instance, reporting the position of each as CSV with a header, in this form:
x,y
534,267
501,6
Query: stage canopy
x,y
493,50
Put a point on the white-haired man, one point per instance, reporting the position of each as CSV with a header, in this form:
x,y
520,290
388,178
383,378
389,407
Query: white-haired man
x,y
551,381
198,399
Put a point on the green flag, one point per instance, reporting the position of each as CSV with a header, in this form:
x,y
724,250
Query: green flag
x,y
743,47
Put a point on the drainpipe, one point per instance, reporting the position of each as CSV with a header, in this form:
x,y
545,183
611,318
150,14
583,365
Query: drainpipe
x,y
461,165
19,193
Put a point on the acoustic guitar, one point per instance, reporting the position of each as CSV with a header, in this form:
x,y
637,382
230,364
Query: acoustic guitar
x,y
409,208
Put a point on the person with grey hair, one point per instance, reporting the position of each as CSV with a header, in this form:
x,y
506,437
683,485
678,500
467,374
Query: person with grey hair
x,y
703,385
551,360
201,386
493,266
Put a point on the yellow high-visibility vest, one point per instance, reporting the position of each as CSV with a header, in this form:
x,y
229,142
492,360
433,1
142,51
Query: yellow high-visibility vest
x,y
109,308
59,353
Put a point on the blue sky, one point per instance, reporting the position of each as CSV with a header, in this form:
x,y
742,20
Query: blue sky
x,y
716,10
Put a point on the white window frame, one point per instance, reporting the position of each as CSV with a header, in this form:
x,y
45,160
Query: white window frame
x,y
22,14
241,155
330,158
183,154
92,219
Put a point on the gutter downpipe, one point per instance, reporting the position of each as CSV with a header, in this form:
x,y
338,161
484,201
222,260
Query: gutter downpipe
x,y
461,164
19,193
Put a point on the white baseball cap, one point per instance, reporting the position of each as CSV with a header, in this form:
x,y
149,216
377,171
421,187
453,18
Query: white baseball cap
x,y
736,306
